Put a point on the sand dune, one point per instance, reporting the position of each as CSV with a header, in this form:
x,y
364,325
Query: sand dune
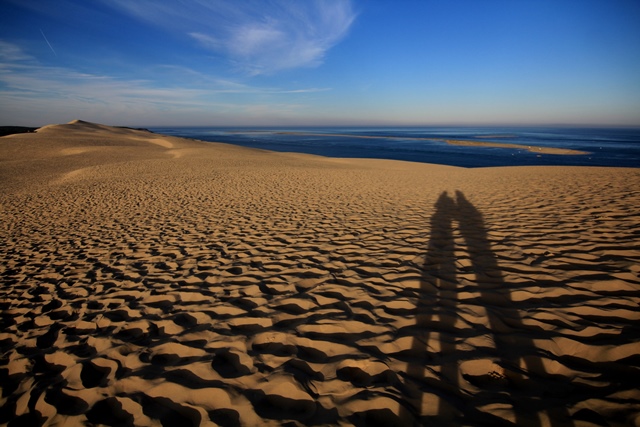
x,y
150,280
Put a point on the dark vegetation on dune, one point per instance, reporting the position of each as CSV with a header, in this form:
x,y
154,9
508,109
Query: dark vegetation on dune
x,y
142,129
10,130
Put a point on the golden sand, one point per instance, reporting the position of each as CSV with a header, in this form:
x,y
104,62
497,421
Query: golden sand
x,y
151,280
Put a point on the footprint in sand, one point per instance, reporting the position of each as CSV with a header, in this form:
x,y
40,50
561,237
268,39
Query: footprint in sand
x,y
484,374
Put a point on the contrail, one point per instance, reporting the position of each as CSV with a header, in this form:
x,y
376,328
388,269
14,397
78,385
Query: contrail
x,y
45,39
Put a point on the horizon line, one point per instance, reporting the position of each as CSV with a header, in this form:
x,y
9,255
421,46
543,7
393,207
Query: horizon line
x,y
360,125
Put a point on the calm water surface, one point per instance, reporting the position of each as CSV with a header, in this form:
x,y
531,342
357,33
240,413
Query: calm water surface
x,y
606,146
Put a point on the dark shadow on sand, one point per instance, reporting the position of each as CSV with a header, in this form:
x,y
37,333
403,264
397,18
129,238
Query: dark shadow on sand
x,y
438,346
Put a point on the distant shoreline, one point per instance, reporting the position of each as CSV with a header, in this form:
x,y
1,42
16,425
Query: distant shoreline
x,y
530,148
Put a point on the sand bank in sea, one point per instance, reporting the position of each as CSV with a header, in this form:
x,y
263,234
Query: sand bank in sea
x,y
151,280
468,143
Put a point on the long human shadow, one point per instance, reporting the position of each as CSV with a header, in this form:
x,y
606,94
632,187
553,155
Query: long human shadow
x,y
437,369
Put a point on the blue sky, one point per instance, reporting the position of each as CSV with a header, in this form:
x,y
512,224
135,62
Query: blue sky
x,y
325,62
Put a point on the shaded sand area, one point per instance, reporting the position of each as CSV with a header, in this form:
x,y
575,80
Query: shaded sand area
x,y
151,280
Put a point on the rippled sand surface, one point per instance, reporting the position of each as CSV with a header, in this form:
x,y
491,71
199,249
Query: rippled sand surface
x,y
150,280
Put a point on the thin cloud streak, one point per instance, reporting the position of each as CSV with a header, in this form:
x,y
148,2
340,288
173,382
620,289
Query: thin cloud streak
x,y
49,44
215,84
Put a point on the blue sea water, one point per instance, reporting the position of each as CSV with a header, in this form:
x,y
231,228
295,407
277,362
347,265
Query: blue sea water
x,y
619,147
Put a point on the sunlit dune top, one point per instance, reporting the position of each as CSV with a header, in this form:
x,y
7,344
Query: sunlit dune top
x,y
84,126
74,124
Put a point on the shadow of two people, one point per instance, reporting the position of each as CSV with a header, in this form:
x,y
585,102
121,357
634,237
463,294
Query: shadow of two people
x,y
437,312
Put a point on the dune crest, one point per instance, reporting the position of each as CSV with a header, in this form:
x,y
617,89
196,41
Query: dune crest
x,y
76,126
150,280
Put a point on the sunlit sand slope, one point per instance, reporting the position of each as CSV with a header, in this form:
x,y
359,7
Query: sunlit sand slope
x,y
149,280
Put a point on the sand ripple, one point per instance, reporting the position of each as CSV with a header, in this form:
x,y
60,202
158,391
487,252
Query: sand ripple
x,y
234,287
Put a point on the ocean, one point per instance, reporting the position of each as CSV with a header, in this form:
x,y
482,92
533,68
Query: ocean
x,y
613,147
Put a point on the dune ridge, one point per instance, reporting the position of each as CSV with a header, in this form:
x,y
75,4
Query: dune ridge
x,y
152,280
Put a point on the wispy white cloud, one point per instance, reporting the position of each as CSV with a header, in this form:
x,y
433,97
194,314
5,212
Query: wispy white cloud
x,y
58,94
261,37
10,52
